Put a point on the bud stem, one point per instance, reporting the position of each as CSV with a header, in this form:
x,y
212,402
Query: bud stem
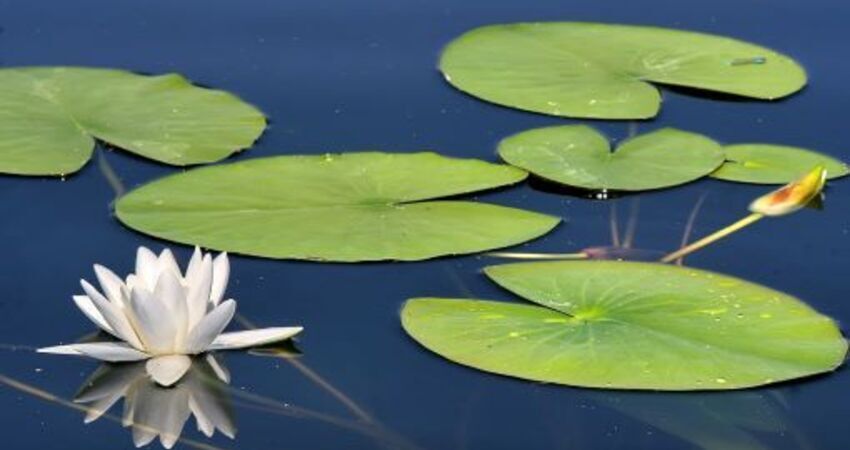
x,y
717,235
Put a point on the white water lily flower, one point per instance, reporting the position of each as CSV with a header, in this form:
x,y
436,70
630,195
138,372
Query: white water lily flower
x,y
163,315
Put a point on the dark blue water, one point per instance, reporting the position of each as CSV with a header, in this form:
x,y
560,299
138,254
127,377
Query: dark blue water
x,y
342,75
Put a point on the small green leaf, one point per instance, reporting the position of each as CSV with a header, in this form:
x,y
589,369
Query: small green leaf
x,y
349,207
580,156
51,116
609,324
604,71
774,164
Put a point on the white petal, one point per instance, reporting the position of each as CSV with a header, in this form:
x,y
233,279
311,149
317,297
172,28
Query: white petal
x,y
210,401
221,275
167,370
167,262
210,327
109,380
194,266
219,369
212,412
174,427
130,397
130,400
87,307
199,291
164,411
99,407
111,285
143,436
70,349
133,282
205,425
147,267
151,319
170,293
104,351
253,338
113,315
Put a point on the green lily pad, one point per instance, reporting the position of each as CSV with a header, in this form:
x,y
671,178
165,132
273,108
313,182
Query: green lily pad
x,y
51,116
580,156
604,71
774,164
609,324
349,207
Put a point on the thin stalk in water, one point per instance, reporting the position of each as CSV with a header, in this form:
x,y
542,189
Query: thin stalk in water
x,y
713,237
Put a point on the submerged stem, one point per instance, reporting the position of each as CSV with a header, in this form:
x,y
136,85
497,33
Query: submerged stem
x,y
717,235
325,385
689,225
110,175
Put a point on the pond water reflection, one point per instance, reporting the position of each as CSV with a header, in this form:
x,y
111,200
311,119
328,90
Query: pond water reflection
x,y
152,411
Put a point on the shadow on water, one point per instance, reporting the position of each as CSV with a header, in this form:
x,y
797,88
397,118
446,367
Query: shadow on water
x,y
552,187
706,94
729,420
714,420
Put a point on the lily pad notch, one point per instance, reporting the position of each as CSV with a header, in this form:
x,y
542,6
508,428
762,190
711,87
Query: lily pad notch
x,y
607,71
349,207
626,325
51,118
580,156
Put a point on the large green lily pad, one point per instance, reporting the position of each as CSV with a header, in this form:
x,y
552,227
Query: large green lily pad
x,y
604,71
50,118
580,156
774,164
608,324
348,207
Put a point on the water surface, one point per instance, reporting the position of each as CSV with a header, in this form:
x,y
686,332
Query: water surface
x,y
341,76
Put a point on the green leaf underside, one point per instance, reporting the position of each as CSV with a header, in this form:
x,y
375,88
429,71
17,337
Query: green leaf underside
x,y
580,156
608,324
348,207
774,164
604,71
51,116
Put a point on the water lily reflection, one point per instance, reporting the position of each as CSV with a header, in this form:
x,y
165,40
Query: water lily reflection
x,y
151,410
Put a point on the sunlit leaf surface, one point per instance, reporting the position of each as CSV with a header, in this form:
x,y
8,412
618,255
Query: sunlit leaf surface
x,y
348,207
630,325
604,71
773,164
580,156
50,118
